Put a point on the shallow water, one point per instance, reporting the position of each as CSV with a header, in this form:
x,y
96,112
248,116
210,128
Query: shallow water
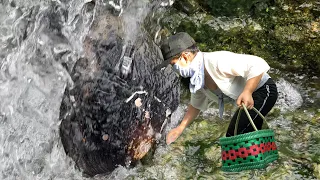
x,y
33,76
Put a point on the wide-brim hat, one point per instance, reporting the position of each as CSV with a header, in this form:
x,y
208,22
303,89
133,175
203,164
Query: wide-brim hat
x,y
174,45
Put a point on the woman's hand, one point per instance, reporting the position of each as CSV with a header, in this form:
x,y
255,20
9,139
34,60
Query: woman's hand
x,y
187,119
246,98
174,134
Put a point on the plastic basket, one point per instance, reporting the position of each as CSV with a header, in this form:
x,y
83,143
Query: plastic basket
x,y
253,150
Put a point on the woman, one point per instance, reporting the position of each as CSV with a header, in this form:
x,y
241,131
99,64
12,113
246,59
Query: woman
x,y
242,77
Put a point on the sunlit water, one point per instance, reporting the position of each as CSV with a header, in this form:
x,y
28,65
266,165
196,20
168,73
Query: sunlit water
x,y
33,79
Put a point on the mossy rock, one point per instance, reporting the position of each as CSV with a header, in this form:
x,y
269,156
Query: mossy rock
x,y
187,6
285,33
316,170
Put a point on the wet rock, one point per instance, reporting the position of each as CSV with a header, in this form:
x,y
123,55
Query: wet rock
x,y
187,6
213,154
102,127
316,170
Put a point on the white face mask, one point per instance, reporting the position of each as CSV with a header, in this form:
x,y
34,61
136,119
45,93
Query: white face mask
x,y
183,71
194,70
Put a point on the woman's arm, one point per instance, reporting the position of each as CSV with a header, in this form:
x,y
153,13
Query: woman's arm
x,y
190,115
246,95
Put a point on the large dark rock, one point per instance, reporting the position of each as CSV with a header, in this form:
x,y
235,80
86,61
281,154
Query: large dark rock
x,y
102,126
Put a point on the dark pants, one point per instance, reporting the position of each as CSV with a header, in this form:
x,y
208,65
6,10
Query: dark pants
x,y
264,99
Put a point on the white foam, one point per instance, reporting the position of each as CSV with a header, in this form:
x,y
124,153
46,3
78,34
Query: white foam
x,y
289,96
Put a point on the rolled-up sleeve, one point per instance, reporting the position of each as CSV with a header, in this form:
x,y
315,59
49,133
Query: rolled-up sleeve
x,y
199,100
247,66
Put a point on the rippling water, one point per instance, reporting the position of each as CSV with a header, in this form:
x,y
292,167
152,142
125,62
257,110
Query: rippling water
x,y
38,44
32,82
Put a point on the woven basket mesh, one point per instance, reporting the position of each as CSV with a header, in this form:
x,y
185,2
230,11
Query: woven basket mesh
x,y
252,150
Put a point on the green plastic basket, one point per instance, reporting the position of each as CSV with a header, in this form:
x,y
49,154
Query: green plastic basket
x,y
253,150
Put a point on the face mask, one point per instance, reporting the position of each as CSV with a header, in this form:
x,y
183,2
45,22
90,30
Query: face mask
x,y
183,71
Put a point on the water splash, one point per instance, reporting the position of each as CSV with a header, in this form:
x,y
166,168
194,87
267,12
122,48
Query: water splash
x,y
38,44
289,97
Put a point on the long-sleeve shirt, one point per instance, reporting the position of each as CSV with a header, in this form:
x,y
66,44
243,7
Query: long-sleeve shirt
x,y
229,71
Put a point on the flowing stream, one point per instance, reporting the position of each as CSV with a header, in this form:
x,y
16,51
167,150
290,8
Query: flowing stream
x,y
40,40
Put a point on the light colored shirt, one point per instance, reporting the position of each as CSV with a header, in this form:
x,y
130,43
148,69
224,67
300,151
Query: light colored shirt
x,y
229,71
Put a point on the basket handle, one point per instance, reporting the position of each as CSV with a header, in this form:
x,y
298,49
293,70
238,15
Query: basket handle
x,y
249,117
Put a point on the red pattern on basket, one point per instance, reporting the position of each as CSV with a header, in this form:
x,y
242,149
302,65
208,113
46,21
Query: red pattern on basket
x,y
251,151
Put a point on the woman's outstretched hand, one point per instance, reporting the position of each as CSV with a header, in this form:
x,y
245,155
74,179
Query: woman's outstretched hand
x,y
174,134
246,98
